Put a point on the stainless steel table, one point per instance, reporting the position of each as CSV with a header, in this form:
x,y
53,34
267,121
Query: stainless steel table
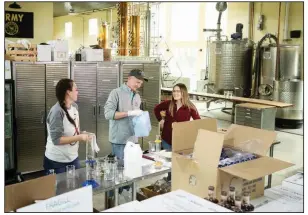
x,y
65,185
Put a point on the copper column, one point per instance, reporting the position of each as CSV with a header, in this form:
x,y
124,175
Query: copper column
x,y
123,28
134,35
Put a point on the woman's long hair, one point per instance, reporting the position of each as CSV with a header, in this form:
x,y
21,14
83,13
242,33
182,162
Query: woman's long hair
x,y
62,87
185,99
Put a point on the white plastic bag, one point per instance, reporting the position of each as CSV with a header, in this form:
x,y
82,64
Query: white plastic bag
x,y
142,125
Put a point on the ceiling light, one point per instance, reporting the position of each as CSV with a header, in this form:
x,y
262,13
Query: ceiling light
x,y
14,6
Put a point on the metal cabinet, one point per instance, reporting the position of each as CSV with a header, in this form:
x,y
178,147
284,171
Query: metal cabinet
x,y
95,81
35,94
254,115
10,152
107,80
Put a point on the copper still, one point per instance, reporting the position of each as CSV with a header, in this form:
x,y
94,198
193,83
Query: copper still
x,y
122,9
134,35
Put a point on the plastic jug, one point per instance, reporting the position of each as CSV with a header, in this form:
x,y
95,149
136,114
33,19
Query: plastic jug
x,y
132,160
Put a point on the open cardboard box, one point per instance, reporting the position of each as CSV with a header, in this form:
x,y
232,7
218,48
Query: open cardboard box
x,y
23,194
201,138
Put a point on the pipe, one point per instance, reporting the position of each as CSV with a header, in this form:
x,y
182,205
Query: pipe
x,y
286,22
218,26
148,29
277,74
249,20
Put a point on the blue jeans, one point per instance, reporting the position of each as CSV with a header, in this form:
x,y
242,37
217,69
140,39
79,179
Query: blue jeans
x,y
58,166
118,151
166,146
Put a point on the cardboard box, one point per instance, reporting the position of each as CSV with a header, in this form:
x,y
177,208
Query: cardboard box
x,y
201,138
59,50
43,52
107,54
25,193
89,54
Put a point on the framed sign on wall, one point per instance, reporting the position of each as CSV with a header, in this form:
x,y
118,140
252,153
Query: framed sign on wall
x,y
19,24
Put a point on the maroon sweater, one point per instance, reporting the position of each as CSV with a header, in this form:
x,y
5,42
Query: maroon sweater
x,y
182,115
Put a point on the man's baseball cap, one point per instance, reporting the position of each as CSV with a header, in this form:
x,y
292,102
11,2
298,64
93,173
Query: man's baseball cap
x,y
137,73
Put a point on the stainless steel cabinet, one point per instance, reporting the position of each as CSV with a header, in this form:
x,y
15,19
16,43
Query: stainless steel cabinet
x,y
95,80
35,93
107,80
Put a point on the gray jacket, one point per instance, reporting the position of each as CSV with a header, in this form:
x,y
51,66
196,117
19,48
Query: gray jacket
x,y
122,99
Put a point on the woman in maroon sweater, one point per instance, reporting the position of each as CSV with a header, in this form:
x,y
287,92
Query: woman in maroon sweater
x,y
178,109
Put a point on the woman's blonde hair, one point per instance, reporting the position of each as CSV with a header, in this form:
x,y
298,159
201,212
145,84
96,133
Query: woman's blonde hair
x,y
185,99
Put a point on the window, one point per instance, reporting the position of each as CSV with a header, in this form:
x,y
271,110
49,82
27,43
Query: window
x,y
68,29
184,64
185,21
93,27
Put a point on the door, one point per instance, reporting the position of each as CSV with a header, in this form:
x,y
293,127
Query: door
x,y
54,73
30,113
151,97
107,80
84,75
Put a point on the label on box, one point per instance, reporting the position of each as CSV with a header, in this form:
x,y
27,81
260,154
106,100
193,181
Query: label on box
x,y
79,200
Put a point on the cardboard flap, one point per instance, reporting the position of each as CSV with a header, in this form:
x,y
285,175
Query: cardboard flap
x,y
257,168
25,193
250,139
208,147
184,133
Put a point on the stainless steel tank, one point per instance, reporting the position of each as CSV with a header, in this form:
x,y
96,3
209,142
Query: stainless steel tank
x,y
230,64
289,92
290,67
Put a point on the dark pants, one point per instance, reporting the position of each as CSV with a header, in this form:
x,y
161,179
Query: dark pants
x,y
59,167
